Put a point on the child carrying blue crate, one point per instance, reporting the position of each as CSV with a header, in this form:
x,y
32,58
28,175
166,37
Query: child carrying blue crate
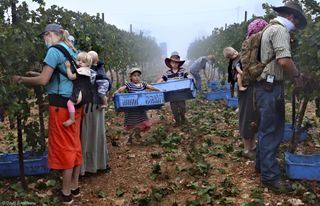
x,y
136,120
175,71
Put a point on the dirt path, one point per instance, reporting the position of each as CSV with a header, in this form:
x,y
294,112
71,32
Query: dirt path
x,y
199,164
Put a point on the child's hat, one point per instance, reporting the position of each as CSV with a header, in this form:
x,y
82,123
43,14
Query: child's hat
x,y
174,57
135,69
255,26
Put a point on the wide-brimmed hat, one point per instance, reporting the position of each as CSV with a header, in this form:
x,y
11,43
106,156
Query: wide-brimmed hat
x,y
135,69
174,57
51,27
296,9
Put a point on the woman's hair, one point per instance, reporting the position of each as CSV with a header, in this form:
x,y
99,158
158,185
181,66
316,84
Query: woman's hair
x,y
64,35
85,58
228,51
66,40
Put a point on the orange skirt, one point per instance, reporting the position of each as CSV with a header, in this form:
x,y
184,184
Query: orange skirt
x,y
64,145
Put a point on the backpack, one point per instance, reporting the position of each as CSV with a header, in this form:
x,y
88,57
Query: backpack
x,y
250,57
87,95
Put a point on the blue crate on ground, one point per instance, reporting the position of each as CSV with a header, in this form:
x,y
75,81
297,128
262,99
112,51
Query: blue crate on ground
x,y
225,86
140,100
303,167
214,84
217,95
177,90
287,136
33,164
232,102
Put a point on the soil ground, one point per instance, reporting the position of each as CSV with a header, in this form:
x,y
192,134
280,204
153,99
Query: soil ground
x,y
197,164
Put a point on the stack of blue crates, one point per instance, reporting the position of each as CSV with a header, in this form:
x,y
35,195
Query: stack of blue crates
x,y
177,90
302,167
218,91
140,100
33,164
214,85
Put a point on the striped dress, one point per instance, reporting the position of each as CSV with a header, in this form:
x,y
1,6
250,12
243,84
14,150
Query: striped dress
x,y
137,118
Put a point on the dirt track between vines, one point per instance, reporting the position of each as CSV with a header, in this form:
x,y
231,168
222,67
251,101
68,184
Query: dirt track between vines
x,y
133,179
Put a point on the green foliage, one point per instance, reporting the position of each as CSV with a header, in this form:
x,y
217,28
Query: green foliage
x,y
119,192
158,193
101,194
157,136
33,138
256,193
305,43
228,188
156,171
253,203
156,155
119,49
18,188
171,142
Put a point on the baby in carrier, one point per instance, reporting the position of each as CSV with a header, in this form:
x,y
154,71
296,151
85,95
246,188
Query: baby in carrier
x,y
81,84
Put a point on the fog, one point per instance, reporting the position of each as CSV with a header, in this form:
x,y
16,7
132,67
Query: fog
x,y
177,23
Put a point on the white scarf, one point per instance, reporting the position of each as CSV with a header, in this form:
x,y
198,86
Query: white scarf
x,y
286,23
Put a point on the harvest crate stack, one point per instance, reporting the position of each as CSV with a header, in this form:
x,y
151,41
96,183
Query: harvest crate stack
x,y
220,90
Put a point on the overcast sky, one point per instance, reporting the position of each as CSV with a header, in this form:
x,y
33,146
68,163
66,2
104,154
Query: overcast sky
x,y
177,22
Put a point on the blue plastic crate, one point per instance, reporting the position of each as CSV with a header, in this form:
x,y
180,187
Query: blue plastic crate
x,y
225,86
177,90
303,167
214,84
139,100
217,95
7,157
33,164
232,102
287,136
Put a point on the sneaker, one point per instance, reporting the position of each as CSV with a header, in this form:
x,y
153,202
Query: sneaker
x,y
66,199
279,186
249,154
76,192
